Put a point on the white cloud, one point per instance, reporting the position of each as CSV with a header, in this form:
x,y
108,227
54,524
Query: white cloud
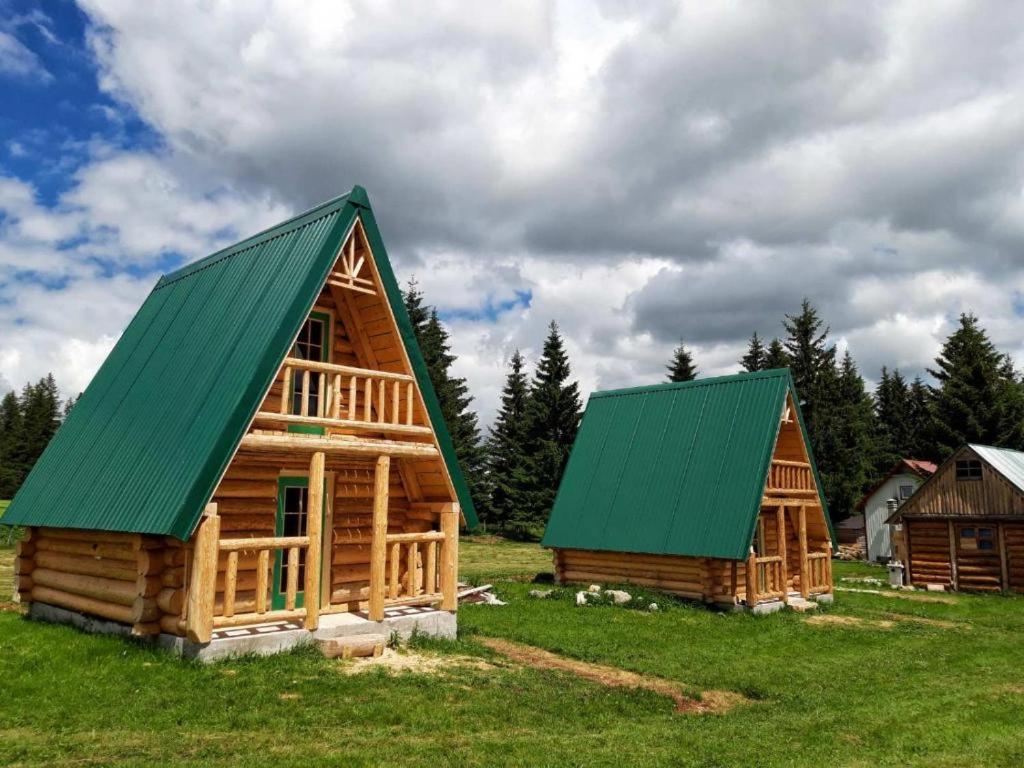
x,y
19,61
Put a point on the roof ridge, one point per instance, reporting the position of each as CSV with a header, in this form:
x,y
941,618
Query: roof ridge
x,y
277,230
771,373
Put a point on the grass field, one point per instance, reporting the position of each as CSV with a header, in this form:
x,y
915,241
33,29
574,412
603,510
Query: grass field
x,y
884,681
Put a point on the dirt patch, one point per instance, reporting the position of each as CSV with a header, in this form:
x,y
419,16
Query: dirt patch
x,y
716,702
829,619
938,623
901,595
9,607
409,661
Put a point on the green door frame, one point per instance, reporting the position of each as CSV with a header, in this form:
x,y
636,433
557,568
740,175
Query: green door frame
x,y
278,597
325,357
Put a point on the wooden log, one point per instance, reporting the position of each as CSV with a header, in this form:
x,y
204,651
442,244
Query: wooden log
x,y
125,614
241,619
231,584
292,579
314,522
146,629
148,586
286,443
379,538
25,549
175,558
355,646
171,601
751,594
262,578
86,549
128,540
172,625
450,557
23,566
804,567
204,573
96,587
111,569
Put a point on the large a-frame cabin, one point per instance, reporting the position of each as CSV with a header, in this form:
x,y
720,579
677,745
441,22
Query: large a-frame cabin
x,y
705,489
262,447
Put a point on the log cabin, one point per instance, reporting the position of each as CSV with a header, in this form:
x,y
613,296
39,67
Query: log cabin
x,y
704,489
963,529
262,447
896,486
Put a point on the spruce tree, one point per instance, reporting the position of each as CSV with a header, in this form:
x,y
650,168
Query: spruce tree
x,y
775,356
506,449
919,410
681,367
11,468
894,439
975,397
844,437
552,417
809,358
754,359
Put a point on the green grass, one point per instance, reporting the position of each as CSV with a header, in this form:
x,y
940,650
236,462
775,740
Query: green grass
x,y
484,558
861,695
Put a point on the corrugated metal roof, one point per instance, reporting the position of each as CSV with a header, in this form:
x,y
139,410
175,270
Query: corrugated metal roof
x,y
674,469
1009,463
144,447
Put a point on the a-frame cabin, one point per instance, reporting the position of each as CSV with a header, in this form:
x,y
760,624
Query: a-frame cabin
x,y
262,447
705,489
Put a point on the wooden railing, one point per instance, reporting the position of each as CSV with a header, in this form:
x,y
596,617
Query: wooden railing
x,y
347,397
790,477
818,572
765,580
255,609
417,555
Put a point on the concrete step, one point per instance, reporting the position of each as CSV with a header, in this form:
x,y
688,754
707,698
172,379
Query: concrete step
x,y
802,606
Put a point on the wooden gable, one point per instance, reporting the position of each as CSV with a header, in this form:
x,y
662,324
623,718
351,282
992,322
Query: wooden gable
x,y
944,495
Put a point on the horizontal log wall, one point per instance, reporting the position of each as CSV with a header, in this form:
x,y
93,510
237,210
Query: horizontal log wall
x,y
930,562
115,576
696,578
1013,536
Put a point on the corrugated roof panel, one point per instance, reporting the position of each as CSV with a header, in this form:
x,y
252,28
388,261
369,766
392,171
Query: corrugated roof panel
x,y
671,469
152,434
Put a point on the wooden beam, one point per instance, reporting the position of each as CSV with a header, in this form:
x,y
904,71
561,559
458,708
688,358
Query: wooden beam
x,y
804,565
780,521
317,421
314,522
378,546
202,589
953,576
1004,571
450,557
751,579
348,370
338,444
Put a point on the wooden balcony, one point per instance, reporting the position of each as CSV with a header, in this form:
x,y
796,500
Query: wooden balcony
x,y
790,478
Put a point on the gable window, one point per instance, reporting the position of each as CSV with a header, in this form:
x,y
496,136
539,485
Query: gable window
x,y
906,491
978,539
968,469
312,344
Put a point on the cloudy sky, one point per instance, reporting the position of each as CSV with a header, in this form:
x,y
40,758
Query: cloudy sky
x,y
640,172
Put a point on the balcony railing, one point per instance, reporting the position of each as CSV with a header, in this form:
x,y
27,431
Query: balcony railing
x,y
793,478
344,397
818,572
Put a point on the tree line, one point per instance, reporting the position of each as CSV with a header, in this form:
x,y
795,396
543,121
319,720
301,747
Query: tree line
x,y
513,471
27,422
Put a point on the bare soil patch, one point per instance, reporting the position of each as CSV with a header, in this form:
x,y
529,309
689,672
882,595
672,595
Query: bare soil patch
x,y
901,595
939,623
409,661
715,702
829,619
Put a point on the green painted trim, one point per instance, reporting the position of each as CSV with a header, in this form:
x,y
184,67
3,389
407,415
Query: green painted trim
x,y
412,347
325,357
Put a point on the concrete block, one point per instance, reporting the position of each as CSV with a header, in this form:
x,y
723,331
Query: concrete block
x,y
763,609
825,599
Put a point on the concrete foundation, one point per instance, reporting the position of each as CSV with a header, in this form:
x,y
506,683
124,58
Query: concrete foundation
x,y
271,638
825,599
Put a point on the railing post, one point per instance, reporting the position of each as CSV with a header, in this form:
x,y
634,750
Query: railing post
x,y
783,566
805,581
828,567
751,579
378,545
314,524
450,557
202,589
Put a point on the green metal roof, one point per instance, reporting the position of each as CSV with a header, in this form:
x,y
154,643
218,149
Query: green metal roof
x,y
675,469
145,446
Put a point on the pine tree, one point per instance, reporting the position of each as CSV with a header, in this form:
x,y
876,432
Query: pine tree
x,y
775,356
754,359
844,437
976,397
681,367
506,449
552,417
894,439
452,392
920,421
11,468
809,357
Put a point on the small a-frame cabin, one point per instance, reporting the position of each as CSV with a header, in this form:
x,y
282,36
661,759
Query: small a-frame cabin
x,y
705,489
963,529
262,447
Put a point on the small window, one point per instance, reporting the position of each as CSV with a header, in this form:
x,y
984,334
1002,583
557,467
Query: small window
x,y
978,539
968,469
905,491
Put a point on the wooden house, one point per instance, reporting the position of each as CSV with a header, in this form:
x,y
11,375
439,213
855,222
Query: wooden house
x,y
963,528
705,489
262,445
897,485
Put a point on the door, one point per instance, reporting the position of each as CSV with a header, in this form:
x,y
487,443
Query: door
x,y
313,343
292,519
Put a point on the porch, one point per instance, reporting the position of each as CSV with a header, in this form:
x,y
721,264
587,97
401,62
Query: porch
x,y
791,556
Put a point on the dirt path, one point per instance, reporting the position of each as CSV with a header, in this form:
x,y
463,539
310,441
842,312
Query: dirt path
x,y
715,702
900,595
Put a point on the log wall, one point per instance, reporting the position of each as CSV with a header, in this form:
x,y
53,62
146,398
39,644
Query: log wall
x,y
116,576
936,555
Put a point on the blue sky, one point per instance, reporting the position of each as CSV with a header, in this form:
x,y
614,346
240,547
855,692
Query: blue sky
x,y
642,174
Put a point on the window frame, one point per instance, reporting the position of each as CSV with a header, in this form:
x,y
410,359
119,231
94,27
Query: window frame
x,y
969,470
